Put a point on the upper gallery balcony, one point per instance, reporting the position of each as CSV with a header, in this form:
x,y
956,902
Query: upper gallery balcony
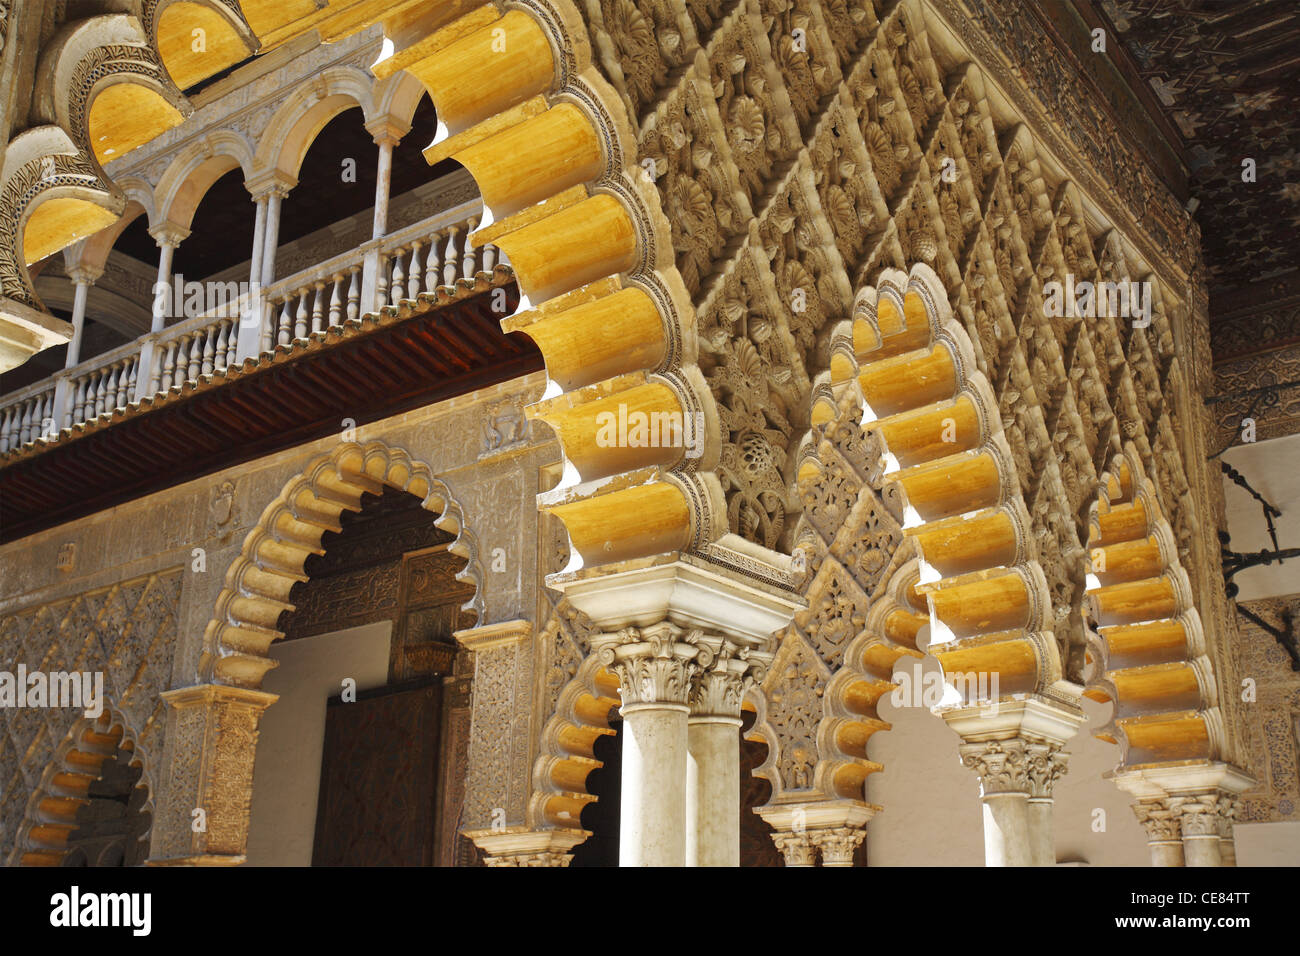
x,y
289,239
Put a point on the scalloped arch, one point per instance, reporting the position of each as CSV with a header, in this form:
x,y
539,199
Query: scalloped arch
x,y
1146,644
52,808
258,582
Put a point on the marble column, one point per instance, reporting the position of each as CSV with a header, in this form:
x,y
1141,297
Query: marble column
x,y
271,233
168,236
82,280
831,829
1003,769
655,666
713,767
664,628
1162,821
1014,746
1187,810
1047,764
387,135
1200,826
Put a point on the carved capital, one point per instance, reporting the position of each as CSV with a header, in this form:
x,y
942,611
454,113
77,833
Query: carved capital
x,y
655,664
1002,765
838,845
1200,816
1161,820
720,686
797,848
1047,763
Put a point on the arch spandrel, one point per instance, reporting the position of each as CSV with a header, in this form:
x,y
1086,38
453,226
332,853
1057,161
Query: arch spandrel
x,y
192,172
290,132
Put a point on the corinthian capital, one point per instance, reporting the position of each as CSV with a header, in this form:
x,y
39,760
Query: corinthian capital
x,y
1200,816
655,664
1161,820
1002,765
725,674
1046,763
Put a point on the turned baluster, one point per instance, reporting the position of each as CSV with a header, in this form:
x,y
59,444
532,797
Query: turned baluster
x,y
300,321
130,384
123,375
467,266
219,360
285,334
398,289
381,285
196,357
489,258
169,366
449,270
6,419
336,299
109,396
232,343
431,266
209,351
318,307
413,281
354,293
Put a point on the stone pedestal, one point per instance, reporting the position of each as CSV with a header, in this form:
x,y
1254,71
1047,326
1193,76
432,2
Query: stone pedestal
x,y
516,846
1015,749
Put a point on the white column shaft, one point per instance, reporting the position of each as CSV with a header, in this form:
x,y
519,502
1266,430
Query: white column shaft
x,y
653,814
713,792
1006,829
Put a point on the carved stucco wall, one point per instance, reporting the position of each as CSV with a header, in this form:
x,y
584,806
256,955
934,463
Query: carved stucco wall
x,y
132,580
799,148
127,632
1273,719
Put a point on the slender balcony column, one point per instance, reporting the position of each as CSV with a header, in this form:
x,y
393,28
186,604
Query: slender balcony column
x,y
271,233
1014,747
168,235
387,133
248,342
713,746
1162,821
82,279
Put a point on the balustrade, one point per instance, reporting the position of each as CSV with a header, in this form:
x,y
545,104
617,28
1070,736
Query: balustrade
x,y
413,261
